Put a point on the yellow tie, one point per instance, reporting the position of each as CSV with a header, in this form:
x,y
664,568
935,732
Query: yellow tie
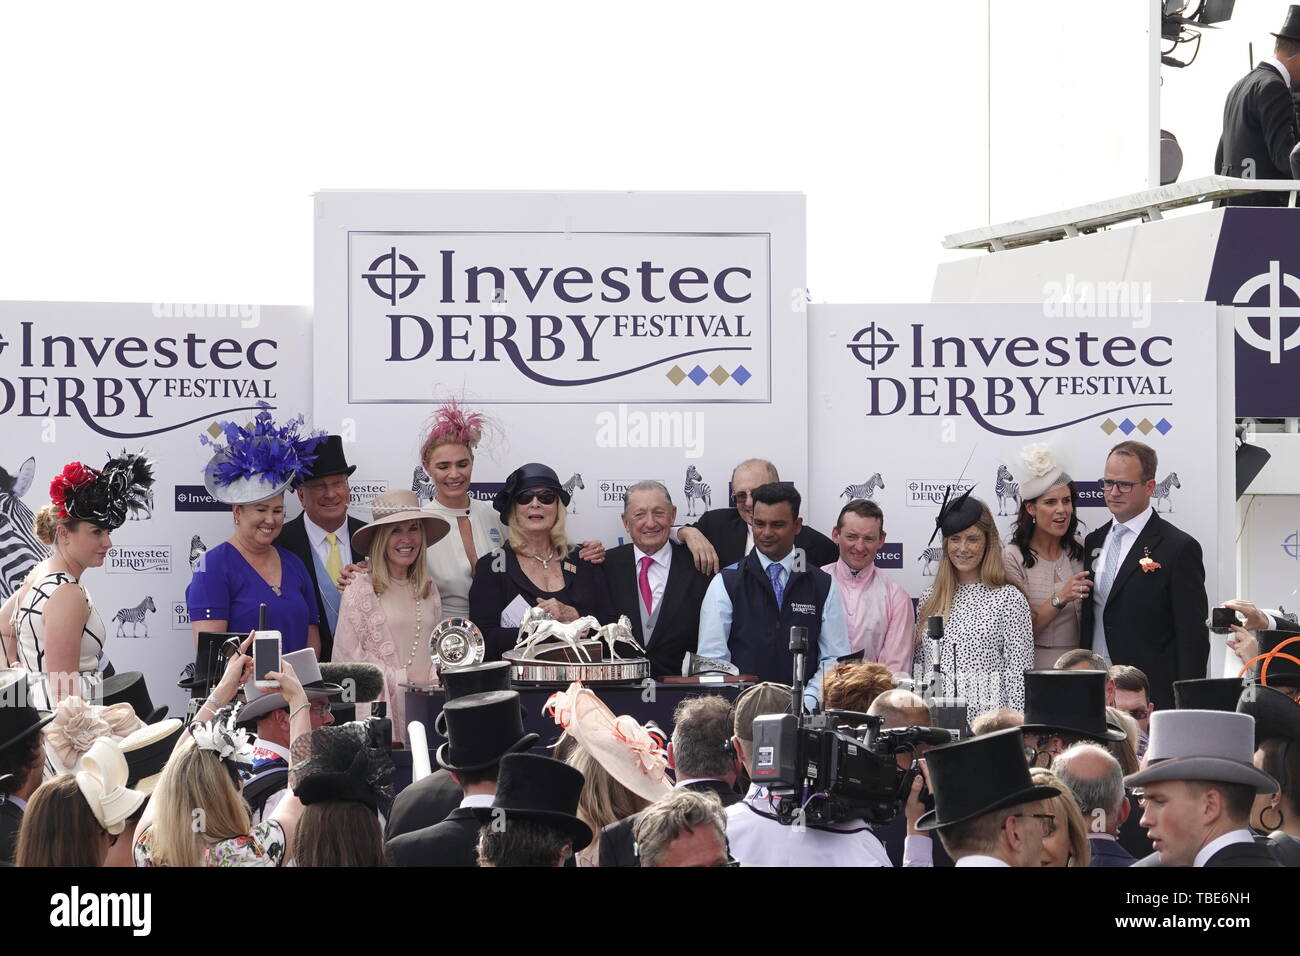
x,y
334,563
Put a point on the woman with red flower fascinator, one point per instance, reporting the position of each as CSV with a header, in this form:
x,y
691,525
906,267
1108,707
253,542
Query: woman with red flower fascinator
x,y
60,633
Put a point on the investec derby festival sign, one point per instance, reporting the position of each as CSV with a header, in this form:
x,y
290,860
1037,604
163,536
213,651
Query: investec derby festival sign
x,y
614,336
907,400
81,380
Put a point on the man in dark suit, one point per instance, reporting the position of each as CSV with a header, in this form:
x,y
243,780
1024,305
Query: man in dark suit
x,y
321,536
22,758
1148,607
481,729
702,759
1259,120
1198,790
653,581
1097,782
723,536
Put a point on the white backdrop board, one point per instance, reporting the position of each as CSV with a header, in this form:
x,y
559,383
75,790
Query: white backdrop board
x,y
80,381
901,396
613,336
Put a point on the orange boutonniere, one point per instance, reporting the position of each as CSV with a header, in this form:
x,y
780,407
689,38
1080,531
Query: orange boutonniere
x,y
1148,563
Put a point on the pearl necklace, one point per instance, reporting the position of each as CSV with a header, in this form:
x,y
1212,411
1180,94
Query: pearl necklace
x,y
419,629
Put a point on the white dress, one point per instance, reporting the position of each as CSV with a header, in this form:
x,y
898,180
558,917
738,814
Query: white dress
x,y
988,644
450,566
31,640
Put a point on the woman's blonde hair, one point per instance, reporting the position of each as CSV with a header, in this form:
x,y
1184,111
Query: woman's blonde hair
x,y
1068,815
603,799
993,573
48,520
197,805
559,541
381,577
59,828
1125,751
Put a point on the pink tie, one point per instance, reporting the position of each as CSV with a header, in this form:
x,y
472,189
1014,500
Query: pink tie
x,y
643,579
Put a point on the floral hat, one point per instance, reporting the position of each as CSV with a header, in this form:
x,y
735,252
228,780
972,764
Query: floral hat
x,y
1036,468
258,461
105,496
77,725
621,745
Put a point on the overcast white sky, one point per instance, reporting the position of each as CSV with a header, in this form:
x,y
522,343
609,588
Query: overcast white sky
x,y
168,152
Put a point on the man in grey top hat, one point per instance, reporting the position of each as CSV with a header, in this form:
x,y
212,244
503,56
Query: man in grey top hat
x,y
1198,790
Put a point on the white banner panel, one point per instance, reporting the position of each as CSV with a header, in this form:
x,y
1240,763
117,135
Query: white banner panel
x,y
902,396
613,336
80,381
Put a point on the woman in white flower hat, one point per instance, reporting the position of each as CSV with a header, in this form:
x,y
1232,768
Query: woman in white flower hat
x,y
1045,556
196,816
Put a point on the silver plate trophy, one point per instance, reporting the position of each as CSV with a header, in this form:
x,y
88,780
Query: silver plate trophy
x,y
549,652
456,643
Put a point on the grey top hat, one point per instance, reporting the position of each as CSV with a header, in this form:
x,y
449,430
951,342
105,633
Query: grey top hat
x,y
1202,745
259,703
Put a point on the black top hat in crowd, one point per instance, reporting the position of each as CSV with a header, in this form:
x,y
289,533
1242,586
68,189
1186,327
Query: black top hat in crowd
x,y
1207,693
532,475
330,461
977,776
129,687
1291,26
543,790
481,729
1275,713
18,719
1069,702
479,679
209,662
1280,670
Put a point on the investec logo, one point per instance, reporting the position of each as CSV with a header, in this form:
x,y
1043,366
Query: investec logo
x,y
1276,340
560,317
928,492
149,560
363,491
610,491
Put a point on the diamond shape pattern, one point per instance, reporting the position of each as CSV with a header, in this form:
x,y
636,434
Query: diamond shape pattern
x,y
214,429
719,374
1127,426
1163,426
741,375
697,375
1108,427
675,375
1145,426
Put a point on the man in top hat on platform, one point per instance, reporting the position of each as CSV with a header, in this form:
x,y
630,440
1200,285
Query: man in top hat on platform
x,y
653,581
322,535
533,820
269,713
480,729
429,801
986,808
1063,708
22,758
1149,605
1259,122
1198,788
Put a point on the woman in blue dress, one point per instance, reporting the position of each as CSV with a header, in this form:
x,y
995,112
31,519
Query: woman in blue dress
x,y
250,472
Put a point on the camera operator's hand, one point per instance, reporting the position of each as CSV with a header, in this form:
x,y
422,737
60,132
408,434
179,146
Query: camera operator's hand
x,y
913,808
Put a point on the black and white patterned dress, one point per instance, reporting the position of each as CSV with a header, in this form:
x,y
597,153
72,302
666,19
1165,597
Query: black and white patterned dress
x,y
988,644
31,641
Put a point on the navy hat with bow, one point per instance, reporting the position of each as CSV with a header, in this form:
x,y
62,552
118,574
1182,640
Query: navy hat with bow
x,y
526,477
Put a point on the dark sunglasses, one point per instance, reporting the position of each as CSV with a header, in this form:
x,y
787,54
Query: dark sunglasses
x,y
546,496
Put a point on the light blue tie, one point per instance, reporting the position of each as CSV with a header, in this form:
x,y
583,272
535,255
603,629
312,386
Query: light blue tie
x,y
774,572
1112,563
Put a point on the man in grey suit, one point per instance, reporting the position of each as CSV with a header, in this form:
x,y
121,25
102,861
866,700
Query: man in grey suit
x,y
1259,120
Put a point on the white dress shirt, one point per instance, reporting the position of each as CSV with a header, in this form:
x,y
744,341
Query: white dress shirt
x,y
979,859
761,841
1218,843
1277,65
658,572
316,535
477,800
1135,526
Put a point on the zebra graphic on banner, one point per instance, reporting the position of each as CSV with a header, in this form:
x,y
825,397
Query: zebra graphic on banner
x,y
1164,492
135,617
865,490
929,556
575,481
197,550
696,488
20,549
422,484
1007,490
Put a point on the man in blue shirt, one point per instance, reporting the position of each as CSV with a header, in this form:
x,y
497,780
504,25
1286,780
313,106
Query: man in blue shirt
x,y
750,606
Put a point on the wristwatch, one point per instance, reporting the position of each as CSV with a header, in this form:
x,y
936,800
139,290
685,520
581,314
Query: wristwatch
x,y
1056,602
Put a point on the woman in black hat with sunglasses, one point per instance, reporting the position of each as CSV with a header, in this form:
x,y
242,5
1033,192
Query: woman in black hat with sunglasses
x,y
538,568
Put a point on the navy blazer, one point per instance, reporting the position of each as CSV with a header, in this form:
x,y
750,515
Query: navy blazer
x,y
1109,853
492,591
293,538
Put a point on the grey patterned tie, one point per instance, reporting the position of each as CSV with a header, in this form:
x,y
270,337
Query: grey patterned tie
x,y
1112,563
